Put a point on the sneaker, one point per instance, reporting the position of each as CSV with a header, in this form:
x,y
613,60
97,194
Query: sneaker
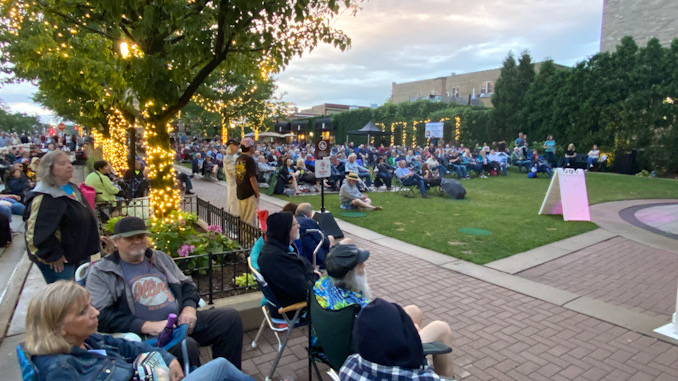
x,y
188,192
378,208
425,196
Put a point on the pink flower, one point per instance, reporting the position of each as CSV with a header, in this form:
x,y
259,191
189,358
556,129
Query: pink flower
x,y
185,250
214,228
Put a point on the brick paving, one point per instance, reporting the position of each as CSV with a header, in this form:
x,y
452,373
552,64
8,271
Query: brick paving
x,y
499,334
618,271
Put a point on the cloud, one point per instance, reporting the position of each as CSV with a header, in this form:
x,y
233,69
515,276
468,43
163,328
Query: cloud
x,y
404,40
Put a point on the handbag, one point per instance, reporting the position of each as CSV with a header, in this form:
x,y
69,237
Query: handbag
x,y
150,366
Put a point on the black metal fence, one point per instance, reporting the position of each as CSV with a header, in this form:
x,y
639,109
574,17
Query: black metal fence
x,y
215,273
138,207
236,229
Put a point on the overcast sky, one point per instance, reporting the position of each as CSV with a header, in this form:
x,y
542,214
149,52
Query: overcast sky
x,y
407,40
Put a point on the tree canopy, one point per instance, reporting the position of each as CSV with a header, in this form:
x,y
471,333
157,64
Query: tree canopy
x,y
18,122
148,59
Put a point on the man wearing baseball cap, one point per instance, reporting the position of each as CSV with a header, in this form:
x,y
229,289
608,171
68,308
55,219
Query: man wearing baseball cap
x,y
229,172
346,284
246,183
135,288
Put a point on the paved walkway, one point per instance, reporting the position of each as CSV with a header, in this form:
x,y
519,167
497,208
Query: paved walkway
x,y
511,322
517,327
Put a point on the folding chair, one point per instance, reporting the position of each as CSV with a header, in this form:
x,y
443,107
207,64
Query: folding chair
x,y
334,329
276,324
404,190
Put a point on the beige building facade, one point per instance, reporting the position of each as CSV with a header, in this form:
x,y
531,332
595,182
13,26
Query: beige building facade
x,y
474,88
641,20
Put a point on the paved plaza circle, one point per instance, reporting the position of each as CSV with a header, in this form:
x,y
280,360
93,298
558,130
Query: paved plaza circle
x,y
660,218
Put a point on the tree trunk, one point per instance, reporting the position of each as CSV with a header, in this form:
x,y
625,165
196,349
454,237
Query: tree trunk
x,y
164,195
132,146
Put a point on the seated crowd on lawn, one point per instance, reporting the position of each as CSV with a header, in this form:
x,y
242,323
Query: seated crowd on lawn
x,y
293,164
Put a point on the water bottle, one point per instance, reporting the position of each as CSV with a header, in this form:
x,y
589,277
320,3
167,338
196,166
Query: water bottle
x,y
168,332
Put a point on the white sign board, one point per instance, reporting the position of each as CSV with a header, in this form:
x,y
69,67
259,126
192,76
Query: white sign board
x,y
323,168
567,196
434,130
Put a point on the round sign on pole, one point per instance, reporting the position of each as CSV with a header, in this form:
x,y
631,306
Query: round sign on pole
x,y
61,126
322,149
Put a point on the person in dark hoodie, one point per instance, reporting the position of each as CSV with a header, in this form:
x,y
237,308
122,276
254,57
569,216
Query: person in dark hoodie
x,y
289,275
61,228
389,346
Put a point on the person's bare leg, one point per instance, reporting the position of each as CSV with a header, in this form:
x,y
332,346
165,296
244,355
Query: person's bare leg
x,y
415,314
440,331
358,203
294,184
346,241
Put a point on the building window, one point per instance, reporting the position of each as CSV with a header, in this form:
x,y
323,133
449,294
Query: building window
x,y
454,92
486,87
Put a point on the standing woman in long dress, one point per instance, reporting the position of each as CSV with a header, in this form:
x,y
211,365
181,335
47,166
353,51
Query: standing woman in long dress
x,y
229,172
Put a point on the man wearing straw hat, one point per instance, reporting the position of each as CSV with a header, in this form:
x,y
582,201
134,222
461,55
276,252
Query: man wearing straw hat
x,y
350,196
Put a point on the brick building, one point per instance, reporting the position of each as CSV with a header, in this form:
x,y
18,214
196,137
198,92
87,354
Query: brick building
x,y
327,109
641,20
474,88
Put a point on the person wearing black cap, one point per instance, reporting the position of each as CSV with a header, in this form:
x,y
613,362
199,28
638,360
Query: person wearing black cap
x,y
229,171
135,288
346,284
288,274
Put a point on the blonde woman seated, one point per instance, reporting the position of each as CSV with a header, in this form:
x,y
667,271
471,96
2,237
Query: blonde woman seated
x,y
61,339
306,176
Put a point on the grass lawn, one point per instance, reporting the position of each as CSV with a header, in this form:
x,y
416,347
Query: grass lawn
x,y
505,206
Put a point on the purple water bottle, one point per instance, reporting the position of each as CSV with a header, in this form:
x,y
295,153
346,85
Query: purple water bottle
x,y
168,332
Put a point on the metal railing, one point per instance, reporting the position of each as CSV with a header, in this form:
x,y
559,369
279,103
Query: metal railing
x,y
236,229
214,273
138,207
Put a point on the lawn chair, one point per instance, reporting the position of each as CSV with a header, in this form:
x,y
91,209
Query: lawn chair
x,y
334,329
403,190
276,324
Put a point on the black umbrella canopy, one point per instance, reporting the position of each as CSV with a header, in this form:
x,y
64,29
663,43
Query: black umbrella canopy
x,y
369,129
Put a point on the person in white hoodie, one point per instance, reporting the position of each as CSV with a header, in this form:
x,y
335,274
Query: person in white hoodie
x,y
229,171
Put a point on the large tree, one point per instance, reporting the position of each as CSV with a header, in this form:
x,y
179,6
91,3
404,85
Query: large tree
x,y
160,52
18,122
509,95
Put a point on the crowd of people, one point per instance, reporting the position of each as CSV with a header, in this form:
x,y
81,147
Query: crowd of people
x,y
289,168
134,288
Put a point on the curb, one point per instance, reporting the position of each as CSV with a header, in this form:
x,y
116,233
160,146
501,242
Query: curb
x,y
10,298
